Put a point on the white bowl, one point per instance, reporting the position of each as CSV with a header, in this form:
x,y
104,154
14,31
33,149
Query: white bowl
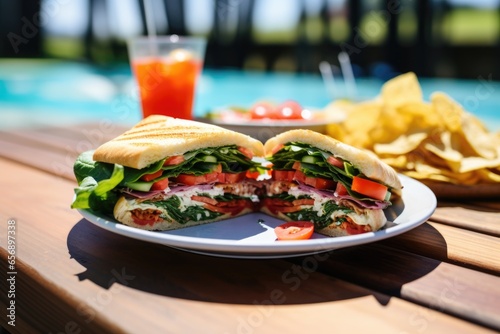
x,y
263,129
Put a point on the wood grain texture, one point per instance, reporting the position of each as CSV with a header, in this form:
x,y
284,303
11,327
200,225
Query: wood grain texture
x,y
479,219
55,148
448,244
440,277
445,287
75,273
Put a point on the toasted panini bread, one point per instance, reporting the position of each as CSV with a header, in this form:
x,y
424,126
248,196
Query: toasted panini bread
x,y
157,137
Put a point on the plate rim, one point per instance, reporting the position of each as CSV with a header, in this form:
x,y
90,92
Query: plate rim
x,y
277,249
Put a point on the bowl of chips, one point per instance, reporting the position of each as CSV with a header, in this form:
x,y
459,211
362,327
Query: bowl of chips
x,y
436,141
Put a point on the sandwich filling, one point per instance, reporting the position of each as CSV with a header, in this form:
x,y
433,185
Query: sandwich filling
x,y
314,185
200,185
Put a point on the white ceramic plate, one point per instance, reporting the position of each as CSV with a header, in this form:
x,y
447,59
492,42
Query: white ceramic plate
x,y
252,236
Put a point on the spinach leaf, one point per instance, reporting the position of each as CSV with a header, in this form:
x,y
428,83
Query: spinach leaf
x,y
319,221
295,151
192,213
231,159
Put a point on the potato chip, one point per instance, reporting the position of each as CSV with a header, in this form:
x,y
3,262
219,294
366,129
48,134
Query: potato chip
x,y
479,139
476,163
445,151
401,90
449,110
402,145
435,141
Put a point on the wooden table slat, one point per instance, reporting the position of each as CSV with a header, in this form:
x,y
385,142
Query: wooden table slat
x,y
448,244
442,276
441,286
478,219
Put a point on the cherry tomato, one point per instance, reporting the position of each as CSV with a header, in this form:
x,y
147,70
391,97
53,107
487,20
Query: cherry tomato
x,y
369,188
296,230
289,110
262,110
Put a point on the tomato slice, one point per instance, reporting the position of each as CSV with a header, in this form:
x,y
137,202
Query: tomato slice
x,y
303,201
299,176
204,199
353,229
231,207
252,175
174,160
296,230
320,183
316,182
152,176
341,189
277,148
160,185
335,162
231,177
246,152
276,205
141,218
143,222
191,180
369,188
283,175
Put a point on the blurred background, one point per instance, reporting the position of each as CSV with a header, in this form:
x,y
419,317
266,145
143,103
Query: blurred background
x,y
433,38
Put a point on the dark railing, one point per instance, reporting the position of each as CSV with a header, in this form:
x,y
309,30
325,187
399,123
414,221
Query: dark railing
x,y
427,52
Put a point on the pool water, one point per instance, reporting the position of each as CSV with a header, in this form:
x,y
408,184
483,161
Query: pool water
x,y
34,93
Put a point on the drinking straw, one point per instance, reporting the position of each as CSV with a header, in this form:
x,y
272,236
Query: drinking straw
x,y
328,79
150,21
346,68
150,26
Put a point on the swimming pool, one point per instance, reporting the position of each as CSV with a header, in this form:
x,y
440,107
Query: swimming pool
x,y
36,93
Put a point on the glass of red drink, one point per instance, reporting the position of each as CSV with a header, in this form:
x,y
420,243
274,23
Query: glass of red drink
x,y
166,69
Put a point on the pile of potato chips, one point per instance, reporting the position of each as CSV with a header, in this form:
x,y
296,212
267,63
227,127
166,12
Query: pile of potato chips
x,y
434,141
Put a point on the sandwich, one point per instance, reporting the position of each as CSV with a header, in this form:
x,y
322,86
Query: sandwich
x,y
341,189
167,173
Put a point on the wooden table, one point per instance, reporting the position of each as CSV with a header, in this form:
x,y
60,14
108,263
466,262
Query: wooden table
x,y
73,277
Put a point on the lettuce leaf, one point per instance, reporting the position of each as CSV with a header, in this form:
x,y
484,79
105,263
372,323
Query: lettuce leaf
x,y
99,181
98,195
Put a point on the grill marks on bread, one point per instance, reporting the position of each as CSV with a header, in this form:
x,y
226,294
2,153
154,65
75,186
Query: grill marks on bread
x,y
158,137
148,136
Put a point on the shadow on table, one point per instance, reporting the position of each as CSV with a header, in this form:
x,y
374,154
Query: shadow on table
x,y
111,259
